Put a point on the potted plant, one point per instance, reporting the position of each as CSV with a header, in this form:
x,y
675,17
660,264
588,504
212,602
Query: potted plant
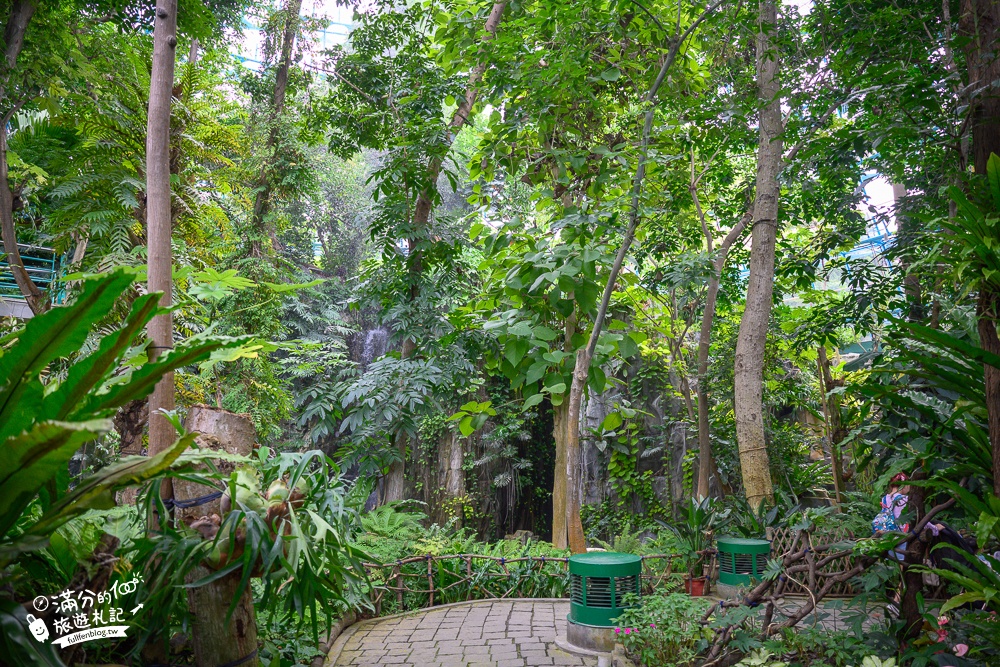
x,y
694,533
694,568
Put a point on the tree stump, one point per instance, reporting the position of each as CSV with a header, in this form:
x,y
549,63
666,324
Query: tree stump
x,y
221,430
216,641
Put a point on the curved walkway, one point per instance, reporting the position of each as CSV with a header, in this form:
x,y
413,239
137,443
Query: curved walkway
x,y
483,633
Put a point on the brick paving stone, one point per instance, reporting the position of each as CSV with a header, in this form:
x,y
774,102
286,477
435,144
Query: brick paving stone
x,y
539,661
479,634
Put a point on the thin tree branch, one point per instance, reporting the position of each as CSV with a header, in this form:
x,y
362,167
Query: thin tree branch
x,y
640,174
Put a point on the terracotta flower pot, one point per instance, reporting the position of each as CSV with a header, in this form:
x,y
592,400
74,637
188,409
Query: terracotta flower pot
x,y
695,586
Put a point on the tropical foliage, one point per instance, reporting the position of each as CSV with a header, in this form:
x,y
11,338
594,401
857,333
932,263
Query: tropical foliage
x,y
505,280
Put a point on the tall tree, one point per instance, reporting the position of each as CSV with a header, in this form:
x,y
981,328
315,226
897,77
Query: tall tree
x,y
749,367
979,25
395,476
706,464
265,183
158,213
18,18
585,355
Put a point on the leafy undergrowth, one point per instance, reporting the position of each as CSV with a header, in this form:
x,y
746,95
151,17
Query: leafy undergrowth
x,y
392,535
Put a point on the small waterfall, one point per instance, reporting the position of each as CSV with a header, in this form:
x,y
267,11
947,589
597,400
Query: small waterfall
x,y
376,342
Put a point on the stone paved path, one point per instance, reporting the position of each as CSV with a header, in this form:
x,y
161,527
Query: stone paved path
x,y
485,633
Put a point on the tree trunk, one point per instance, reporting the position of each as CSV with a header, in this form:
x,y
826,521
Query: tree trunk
x,y
907,230
453,479
130,422
705,462
575,527
394,488
158,219
262,200
216,640
158,250
979,25
560,537
913,580
835,427
14,31
987,310
574,478
749,371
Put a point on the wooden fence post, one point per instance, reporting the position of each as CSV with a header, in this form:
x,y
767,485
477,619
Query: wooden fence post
x,y
430,579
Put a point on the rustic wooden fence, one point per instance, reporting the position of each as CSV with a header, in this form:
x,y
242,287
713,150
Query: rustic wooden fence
x,y
417,582
425,581
783,541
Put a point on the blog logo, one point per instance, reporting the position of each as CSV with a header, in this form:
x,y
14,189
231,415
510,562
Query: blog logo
x,y
81,616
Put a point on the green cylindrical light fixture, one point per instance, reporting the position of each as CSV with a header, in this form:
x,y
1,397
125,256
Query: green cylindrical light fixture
x,y
598,583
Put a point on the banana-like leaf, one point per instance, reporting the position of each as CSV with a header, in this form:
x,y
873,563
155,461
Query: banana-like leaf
x,y
30,460
57,333
87,374
17,643
144,379
949,342
97,491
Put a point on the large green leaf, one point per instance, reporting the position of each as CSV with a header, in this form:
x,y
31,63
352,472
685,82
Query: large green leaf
x,y
88,373
97,491
948,341
57,333
993,175
17,643
144,379
30,460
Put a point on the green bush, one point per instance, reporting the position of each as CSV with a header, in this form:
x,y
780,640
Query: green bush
x,y
391,536
804,646
664,629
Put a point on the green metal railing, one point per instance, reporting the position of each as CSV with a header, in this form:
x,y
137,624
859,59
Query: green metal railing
x,y
42,266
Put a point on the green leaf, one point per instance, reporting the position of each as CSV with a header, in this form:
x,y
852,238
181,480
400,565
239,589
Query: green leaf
x,y
950,342
515,351
627,347
532,401
544,333
284,288
986,526
611,74
522,329
96,491
18,644
960,599
30,460
87,374
596,379
536,372
612,421
144,379
57,333
466,427
993,175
